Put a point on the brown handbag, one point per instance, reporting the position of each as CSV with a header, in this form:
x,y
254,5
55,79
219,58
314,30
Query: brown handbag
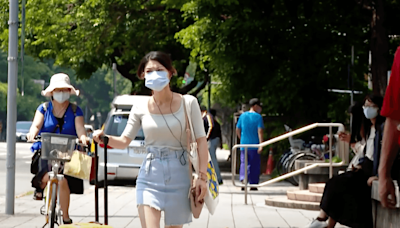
x,y
195,205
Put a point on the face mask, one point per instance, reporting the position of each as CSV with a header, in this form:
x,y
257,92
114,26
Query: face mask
x,y
61,97
370,112
156,80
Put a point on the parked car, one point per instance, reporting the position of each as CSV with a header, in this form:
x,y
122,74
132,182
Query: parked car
x,y
122,164
22,129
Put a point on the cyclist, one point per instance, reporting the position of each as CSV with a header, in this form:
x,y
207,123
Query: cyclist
x,y
61,117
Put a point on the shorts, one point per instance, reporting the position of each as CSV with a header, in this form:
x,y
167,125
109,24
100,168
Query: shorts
x,y
163,183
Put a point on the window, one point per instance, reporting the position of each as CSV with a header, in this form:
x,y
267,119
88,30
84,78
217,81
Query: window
x,y
24,125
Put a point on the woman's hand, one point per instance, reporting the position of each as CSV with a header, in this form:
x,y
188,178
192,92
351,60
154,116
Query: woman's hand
x,y
84,140
371,179
97,134
30,137
343,136
201,189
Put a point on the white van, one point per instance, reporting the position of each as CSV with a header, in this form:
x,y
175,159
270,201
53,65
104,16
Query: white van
x,y
122,164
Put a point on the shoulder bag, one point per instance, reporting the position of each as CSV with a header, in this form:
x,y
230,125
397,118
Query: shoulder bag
x,y
212,196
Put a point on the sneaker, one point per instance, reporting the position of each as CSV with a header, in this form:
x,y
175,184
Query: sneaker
x,y
317,224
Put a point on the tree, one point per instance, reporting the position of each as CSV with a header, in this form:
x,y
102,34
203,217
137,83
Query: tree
x,y
382,16
287,52
27,104
87,34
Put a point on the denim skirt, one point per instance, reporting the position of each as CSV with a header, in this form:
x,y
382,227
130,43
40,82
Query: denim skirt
x,y
163,183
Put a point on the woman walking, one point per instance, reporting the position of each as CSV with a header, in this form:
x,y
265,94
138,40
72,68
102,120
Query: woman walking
x,y
163,182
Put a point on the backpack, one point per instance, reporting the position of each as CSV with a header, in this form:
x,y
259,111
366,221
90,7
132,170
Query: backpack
x,y
73,106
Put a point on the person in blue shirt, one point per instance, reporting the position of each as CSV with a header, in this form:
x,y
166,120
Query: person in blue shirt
x,y
249,129
61,117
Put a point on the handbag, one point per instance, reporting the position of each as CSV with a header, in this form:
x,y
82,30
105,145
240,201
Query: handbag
x,y
79,166
212,196
35,161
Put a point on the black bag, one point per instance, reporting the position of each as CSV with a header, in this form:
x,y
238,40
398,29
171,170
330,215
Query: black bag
x,y
35,161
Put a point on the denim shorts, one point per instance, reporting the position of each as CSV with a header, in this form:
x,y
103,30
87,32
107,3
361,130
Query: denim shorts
x,y
163,183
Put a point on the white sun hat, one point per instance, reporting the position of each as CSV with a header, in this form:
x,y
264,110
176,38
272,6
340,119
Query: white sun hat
x,y
59,81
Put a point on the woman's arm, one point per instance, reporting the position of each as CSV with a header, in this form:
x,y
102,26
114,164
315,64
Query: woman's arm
x,y
36,126
80,127
120,142
203,154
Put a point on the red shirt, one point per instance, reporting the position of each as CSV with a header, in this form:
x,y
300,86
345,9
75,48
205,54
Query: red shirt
x,y
391,103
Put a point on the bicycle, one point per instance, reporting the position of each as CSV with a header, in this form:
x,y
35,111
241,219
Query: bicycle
x,y
56,148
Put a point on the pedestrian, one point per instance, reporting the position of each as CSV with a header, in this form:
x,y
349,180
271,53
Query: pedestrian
x,y
391,138
61,117
213,139
163,182
217,127
249,129
347,197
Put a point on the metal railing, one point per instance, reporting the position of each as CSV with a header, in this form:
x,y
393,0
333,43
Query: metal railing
x,y
291,174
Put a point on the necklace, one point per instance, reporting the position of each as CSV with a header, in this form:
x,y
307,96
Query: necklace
x,y
59,113
167,122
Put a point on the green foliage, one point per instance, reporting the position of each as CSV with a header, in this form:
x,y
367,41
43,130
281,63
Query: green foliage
x,y
85,35
290,61
96,92
335,159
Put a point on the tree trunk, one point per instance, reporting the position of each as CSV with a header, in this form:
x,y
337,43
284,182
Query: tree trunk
x,y
379,49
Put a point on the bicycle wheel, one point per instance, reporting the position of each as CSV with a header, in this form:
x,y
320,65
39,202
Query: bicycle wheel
x,y
52,212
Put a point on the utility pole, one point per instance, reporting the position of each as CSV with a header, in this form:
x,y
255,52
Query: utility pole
x,y
11,105
114,68
22,45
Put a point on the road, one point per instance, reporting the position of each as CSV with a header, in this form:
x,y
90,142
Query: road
x,y
23,175
22,169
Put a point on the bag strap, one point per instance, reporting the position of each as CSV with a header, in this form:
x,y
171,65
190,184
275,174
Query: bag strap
x,y
189,126
74,107
188,133
45,106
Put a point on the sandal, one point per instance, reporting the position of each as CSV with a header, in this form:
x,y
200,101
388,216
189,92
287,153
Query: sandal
x,y
69,221
38,194
36,183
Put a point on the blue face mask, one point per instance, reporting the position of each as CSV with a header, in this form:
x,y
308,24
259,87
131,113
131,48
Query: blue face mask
x,y
370,112
156,80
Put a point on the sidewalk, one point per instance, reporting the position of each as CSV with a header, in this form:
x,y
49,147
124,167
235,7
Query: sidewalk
x,y
231,211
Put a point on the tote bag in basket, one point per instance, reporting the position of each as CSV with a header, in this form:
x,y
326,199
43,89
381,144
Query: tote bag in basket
x,y
79,166
212,196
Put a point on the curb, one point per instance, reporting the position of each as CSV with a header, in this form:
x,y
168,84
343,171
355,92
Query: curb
x,y
25,194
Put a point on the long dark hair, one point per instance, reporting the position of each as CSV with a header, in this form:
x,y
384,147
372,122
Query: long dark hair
x,y
378,101
357,133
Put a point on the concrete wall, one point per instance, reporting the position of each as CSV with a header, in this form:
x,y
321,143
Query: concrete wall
x,y
383,217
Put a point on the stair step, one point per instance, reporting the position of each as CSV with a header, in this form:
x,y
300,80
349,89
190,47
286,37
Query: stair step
x,y
316,187
304,195
283,201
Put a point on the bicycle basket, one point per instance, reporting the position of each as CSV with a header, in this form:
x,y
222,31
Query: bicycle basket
x,y
57,147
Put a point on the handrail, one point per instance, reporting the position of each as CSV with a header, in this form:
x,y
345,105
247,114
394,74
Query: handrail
x,y
277,139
